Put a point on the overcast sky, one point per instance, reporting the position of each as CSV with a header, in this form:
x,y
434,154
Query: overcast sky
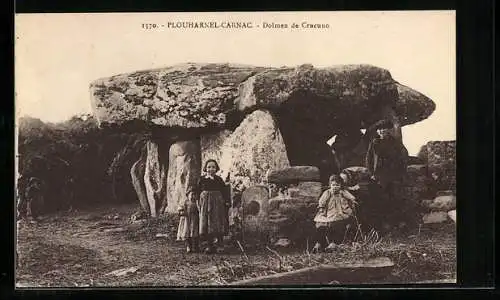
x,y
58,55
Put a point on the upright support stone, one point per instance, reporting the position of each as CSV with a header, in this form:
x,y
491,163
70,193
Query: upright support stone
x,y
154,178
137,175
212,146
254,147
183,172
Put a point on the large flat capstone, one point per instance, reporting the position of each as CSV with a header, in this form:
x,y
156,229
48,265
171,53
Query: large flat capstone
x,y
214,95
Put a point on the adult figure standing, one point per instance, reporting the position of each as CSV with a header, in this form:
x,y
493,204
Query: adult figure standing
x,y
387,160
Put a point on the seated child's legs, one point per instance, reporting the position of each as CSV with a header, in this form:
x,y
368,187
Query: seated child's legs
x,y
341,231
321,236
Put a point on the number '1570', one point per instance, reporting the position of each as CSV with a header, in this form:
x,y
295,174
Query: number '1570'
x,y
149,26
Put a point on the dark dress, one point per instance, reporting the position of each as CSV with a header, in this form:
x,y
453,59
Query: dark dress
x,y
212,206
387,159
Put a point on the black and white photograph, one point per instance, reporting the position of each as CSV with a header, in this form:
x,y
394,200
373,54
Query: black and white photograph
x,y
235,149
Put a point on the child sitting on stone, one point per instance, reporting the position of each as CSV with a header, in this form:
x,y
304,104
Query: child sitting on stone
x,y
335,215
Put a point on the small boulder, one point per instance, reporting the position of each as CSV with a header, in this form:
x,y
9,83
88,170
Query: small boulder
x,y
435,217
294,174
427,203
453,215
283,243
444,203
445,193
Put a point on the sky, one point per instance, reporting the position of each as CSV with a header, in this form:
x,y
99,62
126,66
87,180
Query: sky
x,y
58,55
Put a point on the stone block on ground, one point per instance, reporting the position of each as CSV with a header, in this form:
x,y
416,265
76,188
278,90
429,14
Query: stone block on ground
x,y
354,272
435,217
283,243
444,203
310,188
453,215
426,203
292,217
255,206
294,174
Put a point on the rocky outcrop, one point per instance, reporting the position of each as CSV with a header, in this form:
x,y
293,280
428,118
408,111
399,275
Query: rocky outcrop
x,y
254,147
440,157
183,171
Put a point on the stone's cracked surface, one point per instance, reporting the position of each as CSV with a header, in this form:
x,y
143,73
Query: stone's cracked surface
x,y
208,95
254,147
183,171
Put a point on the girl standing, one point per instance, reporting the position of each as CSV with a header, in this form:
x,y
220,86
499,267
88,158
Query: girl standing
x,y
189,222
212,206
335,214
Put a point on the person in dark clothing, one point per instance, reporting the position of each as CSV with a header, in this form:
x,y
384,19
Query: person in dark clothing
x,y
22,184
212,204
32,193
386,160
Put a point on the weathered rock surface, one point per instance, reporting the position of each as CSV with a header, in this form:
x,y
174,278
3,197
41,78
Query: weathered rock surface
x,y
254,147
453,215
310,189
154,178
293,174
183,171
435,217
440,157
255,207
416,185
212,145
283,243
137,175
357,272
208,95
291,217
443,203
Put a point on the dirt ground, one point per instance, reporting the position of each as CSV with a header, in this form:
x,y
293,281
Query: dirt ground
x,y
81,249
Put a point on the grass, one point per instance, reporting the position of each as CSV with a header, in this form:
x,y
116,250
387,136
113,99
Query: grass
x,y
74,249
415,258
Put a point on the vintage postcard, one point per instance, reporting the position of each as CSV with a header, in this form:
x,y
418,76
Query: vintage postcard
x,y
235,149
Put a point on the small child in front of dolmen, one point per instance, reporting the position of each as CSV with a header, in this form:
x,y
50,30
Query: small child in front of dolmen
x,y
188,229
335,215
